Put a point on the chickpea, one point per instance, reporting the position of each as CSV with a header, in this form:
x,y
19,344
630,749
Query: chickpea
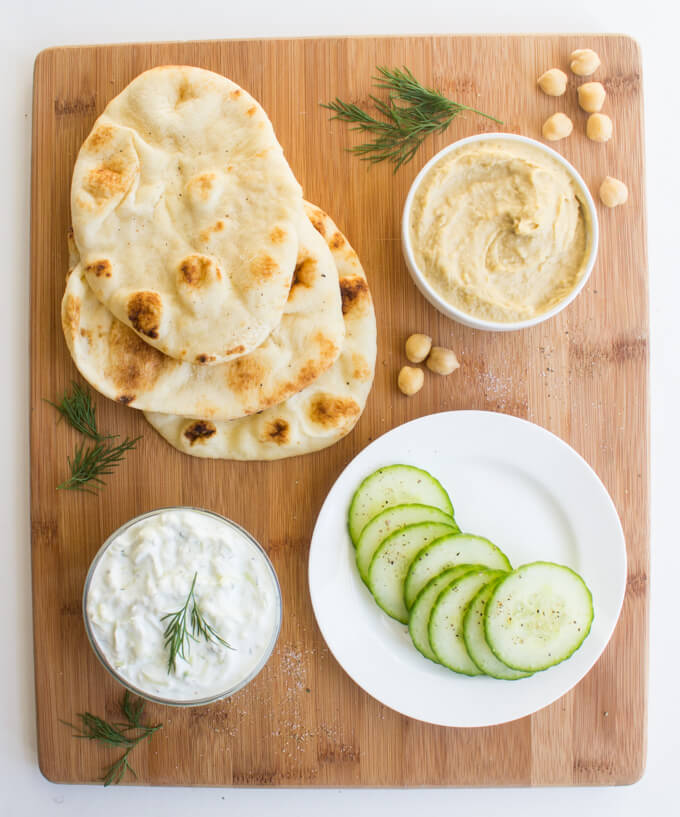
x,y
553,82
613,192
442,361
584,62
599,127
557,127
410,380
418,347
591,96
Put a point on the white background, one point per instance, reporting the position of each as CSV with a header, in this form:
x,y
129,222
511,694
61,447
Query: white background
x,y
28,26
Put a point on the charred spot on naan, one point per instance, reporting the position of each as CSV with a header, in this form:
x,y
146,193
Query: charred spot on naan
x,y
277,235
304,275
252,110
113,176
245,374
144,312
206,358
323,359
331,412
185,92
206,234
197,271
199,431
202,185
101,135
361,369
236,93
337,241
277,431
235,350
263,268
70,316
133,365
317,217
99,268
355,294
327,354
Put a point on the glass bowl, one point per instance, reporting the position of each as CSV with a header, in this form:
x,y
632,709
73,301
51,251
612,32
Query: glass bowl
x,y
99,652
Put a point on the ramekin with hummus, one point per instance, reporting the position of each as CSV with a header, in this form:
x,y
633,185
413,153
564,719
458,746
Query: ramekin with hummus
x,y
499,231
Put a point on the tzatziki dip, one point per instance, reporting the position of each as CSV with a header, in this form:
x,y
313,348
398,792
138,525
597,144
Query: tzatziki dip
x,y
144,574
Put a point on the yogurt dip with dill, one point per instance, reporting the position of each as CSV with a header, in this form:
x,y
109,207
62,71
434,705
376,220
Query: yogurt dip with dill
x,y
146,571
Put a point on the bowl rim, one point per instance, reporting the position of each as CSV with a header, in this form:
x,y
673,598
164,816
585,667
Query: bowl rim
x,y
181,703
458,314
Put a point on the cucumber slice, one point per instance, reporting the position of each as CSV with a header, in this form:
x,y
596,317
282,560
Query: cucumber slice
x,y
538,616
389,521
448,552
419,616
390,564
446,621
393,485
475,642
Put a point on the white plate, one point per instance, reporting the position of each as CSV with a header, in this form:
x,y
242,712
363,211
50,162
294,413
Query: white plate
x,y
511,481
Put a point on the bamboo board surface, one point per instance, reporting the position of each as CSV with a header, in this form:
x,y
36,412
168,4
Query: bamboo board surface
x,y
583,375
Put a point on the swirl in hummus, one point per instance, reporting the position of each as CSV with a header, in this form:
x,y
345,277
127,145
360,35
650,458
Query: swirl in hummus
x,y
500,231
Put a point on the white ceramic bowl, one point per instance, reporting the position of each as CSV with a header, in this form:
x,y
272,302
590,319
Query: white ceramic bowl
x,y
451,311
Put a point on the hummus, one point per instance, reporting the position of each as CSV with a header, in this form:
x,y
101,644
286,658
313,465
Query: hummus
x,y
500,231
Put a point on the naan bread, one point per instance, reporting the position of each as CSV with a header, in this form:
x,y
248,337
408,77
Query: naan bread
x,y
186,214
123,367
316,417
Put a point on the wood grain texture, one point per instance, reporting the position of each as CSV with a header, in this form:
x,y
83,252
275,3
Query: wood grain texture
x,y
582,375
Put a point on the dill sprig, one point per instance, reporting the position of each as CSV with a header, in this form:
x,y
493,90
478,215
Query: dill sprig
x,y
411,113
92,462
80,411
125,735
178,633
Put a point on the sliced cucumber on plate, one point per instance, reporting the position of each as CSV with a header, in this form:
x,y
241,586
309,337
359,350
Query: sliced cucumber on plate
x,y
391,561
462,548
475,640
538,616
464,605
419,615
394,485
445,627
391,520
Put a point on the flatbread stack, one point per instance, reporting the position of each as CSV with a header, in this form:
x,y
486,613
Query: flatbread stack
x,y
202,288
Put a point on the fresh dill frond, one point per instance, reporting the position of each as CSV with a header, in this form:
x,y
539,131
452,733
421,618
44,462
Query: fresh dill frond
x,y
411,113
178,632
92,462
80,411
125,735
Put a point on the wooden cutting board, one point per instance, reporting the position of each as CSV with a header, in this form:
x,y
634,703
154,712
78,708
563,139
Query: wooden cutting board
x,y
583,375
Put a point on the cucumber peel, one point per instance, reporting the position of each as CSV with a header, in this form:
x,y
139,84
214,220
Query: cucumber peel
x,y
419,615
391,561
389,521
451,550
393,485
538,616
475,640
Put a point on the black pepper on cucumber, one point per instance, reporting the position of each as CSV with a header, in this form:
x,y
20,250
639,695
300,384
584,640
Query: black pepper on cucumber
x,y
538,616
394,485
466,608
475,639
391,561
391,520
447,552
